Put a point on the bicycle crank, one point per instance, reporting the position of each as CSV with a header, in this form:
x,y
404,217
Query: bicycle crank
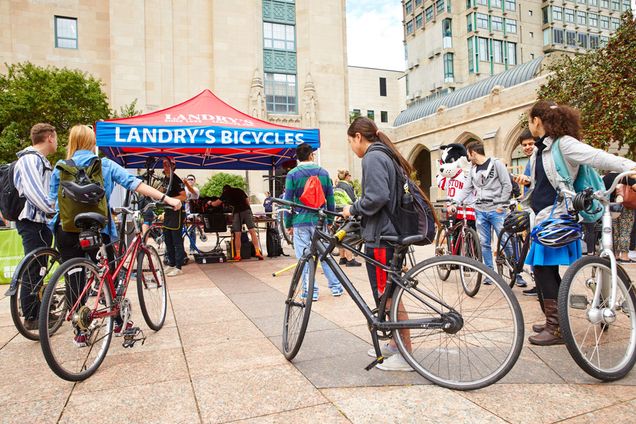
x,y
132,336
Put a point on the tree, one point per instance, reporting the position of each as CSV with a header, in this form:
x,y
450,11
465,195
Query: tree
x,y
59,96
214,185
601,84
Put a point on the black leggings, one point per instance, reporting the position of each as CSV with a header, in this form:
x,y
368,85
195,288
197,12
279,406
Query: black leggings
x,y
548,280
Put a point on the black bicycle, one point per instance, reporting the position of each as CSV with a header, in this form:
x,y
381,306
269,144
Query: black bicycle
x,y
513,245
452,339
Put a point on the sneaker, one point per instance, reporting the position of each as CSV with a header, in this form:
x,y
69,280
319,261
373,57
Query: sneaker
x,y
167,269
119,327
632,255
488,282
236,258
80,340
31,324
174,272
394,363
303,296
342,261
385,349
531,292
259,255
353,262
337,292
521,282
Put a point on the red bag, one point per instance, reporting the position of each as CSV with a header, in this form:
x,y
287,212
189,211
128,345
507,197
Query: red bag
x,y
313,195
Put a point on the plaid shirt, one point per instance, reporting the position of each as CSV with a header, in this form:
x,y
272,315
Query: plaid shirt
x,y
31,177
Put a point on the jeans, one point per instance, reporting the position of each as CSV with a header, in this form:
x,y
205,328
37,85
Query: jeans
x,y
175,253
34,235
302,242
486,223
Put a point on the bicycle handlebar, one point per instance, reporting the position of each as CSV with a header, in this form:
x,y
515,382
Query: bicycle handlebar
x,y
309,208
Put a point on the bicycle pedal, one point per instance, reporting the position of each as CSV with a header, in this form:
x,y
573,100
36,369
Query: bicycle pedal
x,y
375,362
578,301
130,337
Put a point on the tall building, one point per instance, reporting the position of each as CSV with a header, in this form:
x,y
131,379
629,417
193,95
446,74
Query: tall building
x,y
376,93
280,60
453,43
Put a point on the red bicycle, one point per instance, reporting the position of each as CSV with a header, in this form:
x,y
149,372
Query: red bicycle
x,y
96,304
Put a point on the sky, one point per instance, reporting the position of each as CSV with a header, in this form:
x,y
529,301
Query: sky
x,y
374,34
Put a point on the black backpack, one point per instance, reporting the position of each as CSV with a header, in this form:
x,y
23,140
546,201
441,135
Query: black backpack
x,y
272,242
11,203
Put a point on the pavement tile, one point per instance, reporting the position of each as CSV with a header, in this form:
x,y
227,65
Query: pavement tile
x,y
319,414
7,333
218,332
166,338
253,393
260,304
414,404
530,369
557,401
623,413
272,326
32,411
326,343
213,313
215,358
165,402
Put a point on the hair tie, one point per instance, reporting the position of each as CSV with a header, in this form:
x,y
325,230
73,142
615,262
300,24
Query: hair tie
x,y
554,107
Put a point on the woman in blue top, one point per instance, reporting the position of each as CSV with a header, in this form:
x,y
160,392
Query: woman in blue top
x,y
81,148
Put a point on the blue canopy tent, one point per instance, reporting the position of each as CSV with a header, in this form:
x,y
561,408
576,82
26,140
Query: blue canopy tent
x,y
202,133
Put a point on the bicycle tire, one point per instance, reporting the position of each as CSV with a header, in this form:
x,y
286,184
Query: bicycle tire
x,y
505,265
157,238
470,249
280,222
576,294
197,234
151,280
487,328
292,339
45,259
442,248
65,359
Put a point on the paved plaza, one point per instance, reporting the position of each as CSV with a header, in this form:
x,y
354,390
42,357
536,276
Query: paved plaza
x,y
217,360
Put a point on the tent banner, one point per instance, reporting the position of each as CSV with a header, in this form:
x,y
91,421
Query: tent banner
x,y
113,134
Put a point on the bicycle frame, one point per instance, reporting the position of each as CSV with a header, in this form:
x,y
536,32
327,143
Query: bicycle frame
x,y
451,228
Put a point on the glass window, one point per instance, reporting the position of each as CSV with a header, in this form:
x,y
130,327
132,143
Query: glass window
x,y
384,115
279,36
439,6
604,22
582,40
484,54
497,51
593,3
469,22
497,23
511,26
511,5
371,115
482,21
511,53
594,41
409,27
482,2
558,36
592,20
495,4
447,30
65,32
449,74
469,3
545,12
418,3
429,13
280,93
546,37
569,15
626,5
605,4
557,13
382,86
616,4
471,55
418,21
581,18
408,6
570,38
615,23
604,41
581,1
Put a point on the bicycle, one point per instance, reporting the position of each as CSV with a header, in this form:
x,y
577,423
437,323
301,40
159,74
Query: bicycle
x,y
512,249
280,224
456,237
597,302
192,230
457,341
29,280
95,296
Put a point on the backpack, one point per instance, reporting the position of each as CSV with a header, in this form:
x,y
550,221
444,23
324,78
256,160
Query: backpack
x,y
412,213
273,243
313,194
11,203
516,190
89,177
586,178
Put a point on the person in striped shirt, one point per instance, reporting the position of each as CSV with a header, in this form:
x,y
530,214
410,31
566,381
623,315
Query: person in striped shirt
x,y
303,223
31,177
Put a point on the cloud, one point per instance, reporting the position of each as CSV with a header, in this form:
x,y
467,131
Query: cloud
x,y
375,34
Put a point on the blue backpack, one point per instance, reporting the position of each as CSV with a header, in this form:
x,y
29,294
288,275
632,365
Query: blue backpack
x,y
587,177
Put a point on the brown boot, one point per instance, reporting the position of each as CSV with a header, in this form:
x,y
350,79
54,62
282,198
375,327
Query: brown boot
x,y
551,334
537,328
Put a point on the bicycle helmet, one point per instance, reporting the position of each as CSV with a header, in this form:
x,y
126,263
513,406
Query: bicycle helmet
x,y
557,232
517,222
88,194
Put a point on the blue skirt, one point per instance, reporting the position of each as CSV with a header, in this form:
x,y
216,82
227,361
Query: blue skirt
x,y
550,256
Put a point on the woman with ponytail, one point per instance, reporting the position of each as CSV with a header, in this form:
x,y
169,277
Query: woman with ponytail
x,y
551,122
379,178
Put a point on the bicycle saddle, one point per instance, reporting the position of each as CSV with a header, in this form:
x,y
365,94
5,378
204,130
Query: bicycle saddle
x,y
404,241
88,220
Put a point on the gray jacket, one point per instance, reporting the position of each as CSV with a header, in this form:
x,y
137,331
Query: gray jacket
x,y
379,178
491,186
574,153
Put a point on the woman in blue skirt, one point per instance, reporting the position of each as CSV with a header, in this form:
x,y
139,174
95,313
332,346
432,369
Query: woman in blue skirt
x,y
550,122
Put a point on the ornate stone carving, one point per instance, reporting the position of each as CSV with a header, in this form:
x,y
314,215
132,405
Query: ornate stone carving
x,y
310,104
257,97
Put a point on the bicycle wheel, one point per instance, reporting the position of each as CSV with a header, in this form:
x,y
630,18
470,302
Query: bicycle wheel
x,y
31,277
507,264
606,351
481,338
154,237
470,249
151,287
442,248
78,348
280,221
298,306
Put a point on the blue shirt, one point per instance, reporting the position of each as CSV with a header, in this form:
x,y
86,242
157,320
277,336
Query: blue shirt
x,y
112,172
527,172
